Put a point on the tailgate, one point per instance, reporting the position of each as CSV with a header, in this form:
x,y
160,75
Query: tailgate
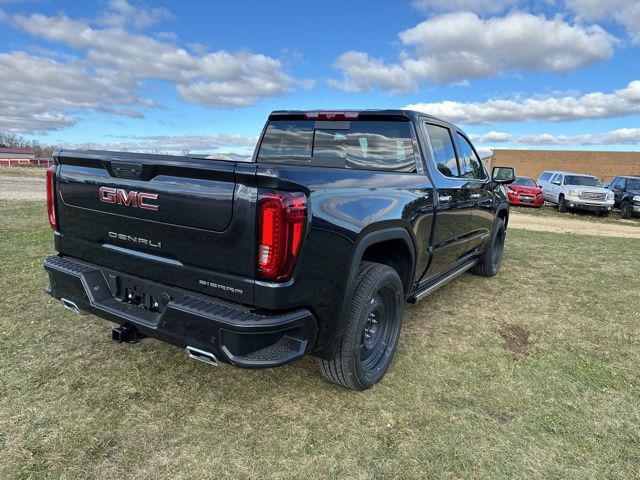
x,y
177,220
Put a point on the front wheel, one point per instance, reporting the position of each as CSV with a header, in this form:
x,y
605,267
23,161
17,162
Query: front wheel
x,y
489,263
372,329
562,206
625,210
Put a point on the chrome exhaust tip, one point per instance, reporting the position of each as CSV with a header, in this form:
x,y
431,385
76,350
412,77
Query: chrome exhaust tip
x,y
70,305
201,356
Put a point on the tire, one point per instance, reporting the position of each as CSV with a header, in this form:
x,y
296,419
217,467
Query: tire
x,y
625,210
490,261
372,329
562,207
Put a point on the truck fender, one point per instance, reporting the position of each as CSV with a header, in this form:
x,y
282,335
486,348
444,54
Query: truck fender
x,y
502,211
377,236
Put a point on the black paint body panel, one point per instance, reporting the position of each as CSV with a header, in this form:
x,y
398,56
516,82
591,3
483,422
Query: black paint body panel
x,y
206,224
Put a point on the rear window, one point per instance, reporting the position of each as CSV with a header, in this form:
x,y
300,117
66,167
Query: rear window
x,y
362,144
525,182
582,181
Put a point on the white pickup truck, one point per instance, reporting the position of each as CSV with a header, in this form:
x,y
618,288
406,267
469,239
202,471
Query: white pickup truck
x,y
576,191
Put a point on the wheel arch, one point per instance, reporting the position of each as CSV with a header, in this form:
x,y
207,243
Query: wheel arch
x,y
371,246
502,212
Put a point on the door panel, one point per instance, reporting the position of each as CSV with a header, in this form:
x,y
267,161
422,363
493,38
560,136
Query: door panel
x,y
478,192
450,238
481,221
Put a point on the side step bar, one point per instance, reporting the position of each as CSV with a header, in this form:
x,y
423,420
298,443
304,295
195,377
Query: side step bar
x,y
420,294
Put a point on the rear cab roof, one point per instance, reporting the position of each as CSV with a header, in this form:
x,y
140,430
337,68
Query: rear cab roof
x,y
410,114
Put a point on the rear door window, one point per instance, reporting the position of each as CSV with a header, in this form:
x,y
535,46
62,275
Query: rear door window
x,y
444,155
361,144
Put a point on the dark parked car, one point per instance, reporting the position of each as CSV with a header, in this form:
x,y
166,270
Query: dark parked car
x,y
627,195
313,247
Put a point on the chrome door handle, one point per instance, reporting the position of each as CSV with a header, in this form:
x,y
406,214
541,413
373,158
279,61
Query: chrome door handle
x,y
475,196
444,198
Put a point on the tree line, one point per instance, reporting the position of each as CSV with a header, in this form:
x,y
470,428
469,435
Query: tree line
x,y
12,140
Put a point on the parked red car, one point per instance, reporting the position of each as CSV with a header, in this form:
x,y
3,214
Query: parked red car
x,y
524,191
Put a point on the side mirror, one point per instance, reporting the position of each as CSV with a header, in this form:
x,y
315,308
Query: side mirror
x,y
556,182
503,175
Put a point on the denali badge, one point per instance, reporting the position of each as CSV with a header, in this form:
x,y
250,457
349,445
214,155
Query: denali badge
x,y
127,198
132,239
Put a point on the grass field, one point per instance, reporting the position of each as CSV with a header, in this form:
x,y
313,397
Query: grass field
x,y
534,373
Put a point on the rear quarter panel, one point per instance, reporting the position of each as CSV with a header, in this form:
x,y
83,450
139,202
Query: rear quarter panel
x,y
344,206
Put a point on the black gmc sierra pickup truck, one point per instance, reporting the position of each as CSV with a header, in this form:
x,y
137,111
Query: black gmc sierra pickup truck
x,y
313,246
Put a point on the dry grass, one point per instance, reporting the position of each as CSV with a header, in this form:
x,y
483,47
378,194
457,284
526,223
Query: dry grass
x,y
23,171
455,404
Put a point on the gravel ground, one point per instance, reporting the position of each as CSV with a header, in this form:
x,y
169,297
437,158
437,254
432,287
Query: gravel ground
x,y
17,187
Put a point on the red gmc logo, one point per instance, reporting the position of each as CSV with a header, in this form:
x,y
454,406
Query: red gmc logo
x,y
128,198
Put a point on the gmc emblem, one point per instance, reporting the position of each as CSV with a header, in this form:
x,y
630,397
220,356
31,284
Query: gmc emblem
x,y
128,198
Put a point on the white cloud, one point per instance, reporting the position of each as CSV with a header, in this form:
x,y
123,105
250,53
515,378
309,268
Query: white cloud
x,y
621,136
625,12
361,73
217,79
112,62
38,94
122,13
476,6
492,137
174,144
622,102
440,53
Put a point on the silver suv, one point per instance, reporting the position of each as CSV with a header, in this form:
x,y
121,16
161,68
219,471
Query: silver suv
x,y
576,191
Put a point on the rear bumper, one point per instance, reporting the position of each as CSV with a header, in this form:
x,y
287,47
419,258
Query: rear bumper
x,y
233,333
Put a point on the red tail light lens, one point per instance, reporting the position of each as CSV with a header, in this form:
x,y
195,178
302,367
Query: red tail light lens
x,y
281,221
51,204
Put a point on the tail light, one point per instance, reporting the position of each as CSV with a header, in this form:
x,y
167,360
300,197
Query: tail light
x,y
51,199
281,221
326,115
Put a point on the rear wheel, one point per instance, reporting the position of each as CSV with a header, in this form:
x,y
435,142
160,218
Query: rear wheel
x,y
625,210
489,263
562,206
372,329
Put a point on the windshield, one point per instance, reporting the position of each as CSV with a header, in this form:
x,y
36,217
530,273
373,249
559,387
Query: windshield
x,y
582,181
633,184
525,182
364,144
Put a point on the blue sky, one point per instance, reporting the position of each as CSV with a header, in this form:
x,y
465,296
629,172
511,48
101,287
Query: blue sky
x,y
202,76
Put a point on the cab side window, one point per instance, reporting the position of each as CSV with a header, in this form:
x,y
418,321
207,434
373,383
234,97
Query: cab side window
x,y
546,176
470,165
443,151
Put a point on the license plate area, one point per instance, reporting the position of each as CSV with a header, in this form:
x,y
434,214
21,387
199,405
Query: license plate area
x,y
140,294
